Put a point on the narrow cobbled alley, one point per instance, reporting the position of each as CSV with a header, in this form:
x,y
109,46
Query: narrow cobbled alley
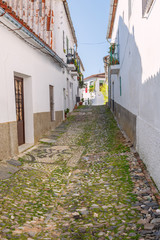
x,y
81,181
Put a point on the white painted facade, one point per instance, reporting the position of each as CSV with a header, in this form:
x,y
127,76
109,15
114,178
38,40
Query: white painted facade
x,y
62,27
94,97
38,70
138,40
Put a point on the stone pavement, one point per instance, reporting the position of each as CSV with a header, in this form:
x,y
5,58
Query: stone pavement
x,y
80,182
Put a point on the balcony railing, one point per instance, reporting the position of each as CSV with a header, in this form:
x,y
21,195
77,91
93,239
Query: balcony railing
x,y
75,66
114,54
71,55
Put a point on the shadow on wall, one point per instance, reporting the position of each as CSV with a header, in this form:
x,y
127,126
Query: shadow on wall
x,y
125,95
148,126
150,100
137,108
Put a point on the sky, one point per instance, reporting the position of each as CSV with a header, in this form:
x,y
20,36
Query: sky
x,y
90,20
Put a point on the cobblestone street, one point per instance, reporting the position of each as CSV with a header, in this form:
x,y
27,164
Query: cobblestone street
x,y
82,181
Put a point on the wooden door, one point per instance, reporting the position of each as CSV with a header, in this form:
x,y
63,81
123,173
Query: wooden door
x,y
51,93
19,95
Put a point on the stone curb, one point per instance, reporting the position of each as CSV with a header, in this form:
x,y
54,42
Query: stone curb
x,y
152,185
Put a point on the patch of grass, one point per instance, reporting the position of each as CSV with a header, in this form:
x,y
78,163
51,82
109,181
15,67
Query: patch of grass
x,y
121,148
47,143
21,160
81,107
70,119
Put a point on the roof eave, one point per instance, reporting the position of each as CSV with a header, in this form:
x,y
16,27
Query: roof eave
x,y
95,76
38,43
112,14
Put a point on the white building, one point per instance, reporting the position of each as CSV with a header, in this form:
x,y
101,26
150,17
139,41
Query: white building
x,y
134,81
37,80
93,93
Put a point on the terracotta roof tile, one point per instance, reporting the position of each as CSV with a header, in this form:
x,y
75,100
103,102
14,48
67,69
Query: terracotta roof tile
x,y
100,75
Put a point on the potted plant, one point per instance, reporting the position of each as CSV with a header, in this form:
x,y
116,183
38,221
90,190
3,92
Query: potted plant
x,y
116,61
112,48
81,102
91,88
113,61
66,111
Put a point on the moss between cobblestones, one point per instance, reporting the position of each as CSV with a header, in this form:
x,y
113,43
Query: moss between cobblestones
x,y
100,184
47,143
70,119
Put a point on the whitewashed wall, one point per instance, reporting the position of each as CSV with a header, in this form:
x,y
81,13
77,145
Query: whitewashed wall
x,y
99,98
95,97
140,75
86,95
61,24
38,70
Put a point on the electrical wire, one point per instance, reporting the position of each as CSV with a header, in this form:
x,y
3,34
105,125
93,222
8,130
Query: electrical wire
x,y
18,35
100,43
